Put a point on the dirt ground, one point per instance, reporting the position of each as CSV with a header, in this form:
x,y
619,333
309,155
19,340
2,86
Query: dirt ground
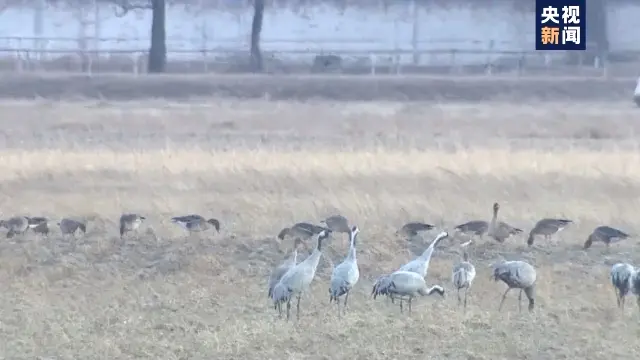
x,y
259,165
309,87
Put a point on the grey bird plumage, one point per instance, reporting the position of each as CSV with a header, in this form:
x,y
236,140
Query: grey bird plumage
x,y
623,278
297,279
462,277
70,226
499,230
474,227
412,229
130,222
547,228
301,230
279,271
517,275
15,225
346,274
39,225
605,234
196,223
337,223
405,285
419,265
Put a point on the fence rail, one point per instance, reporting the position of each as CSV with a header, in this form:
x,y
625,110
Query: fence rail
x,y
371,61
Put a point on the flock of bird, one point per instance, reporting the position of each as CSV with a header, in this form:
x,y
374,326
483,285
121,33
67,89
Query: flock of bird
x,y
291,279
19,225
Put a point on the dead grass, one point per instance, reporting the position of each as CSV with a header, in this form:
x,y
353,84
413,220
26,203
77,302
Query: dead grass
x,y
171,297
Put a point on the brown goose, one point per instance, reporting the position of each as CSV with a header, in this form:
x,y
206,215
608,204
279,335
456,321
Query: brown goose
x,y
130,222
605,234
412,229
499,230
546,228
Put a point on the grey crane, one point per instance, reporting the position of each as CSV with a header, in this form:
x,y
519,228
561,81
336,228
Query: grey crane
x,y
130,222
346,274
279,271
605,234
71,226
462,277
405,284
412,229
517,275
419,265
301,230
499,230
622,277
196,223
474,227
15,225
297,279
547,227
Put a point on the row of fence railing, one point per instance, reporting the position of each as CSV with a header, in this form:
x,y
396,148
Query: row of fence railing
x,y
489,58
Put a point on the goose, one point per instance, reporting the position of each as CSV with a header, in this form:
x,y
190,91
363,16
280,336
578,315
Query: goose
x,y
297,279
15,225
39,225
622,277
498,230
346,274
301,230
279,271
605,234
474,227
337,223
547,227
130,222
517,275
70,227
420,265
406,284
462,276
411,229
196,223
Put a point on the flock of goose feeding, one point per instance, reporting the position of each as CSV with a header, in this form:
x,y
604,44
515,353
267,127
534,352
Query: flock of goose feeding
x,y
290,280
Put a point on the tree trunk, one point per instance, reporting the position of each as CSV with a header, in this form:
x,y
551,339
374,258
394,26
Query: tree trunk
x,y
158,50
256,30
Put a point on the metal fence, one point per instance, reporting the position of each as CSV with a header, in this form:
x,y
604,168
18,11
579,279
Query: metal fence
x,y
471,57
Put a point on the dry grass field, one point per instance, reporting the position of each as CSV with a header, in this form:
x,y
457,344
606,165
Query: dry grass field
x,y
260,165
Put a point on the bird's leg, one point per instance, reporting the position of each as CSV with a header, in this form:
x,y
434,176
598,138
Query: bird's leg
x,y
298,306
504,297
615,290
346,297
466,291
459,299
520,301
410,298
622,300
401,310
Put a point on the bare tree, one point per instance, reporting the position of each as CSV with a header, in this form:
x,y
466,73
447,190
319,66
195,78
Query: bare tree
x,y
256,29
158,48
